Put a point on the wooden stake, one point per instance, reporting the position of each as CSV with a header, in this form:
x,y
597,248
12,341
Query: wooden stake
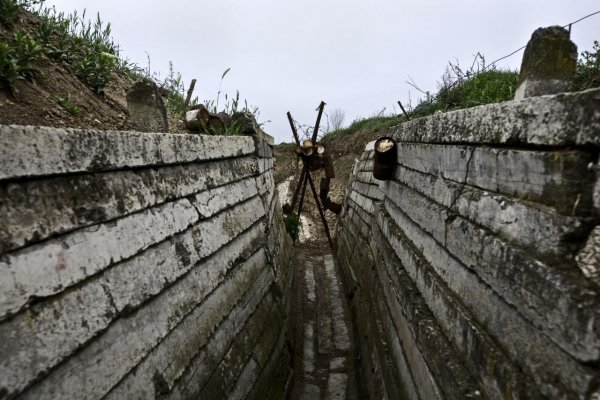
x,y
189,93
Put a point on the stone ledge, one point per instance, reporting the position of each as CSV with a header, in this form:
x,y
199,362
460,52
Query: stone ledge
x,y
560,179
565,119
34,210
27,151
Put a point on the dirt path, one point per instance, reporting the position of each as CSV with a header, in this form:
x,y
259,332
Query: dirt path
x,y
324,359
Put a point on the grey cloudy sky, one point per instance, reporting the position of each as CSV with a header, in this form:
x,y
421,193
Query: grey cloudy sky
x,y
288,55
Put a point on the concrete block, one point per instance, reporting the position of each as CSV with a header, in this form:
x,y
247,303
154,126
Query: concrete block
x,y
50,267
123,288
34,210
270,335
27,151
226,226
146,108
210,202
555,298
382,345
135,281
206,276
37,339
540,231
552,370
404,350
101,365
556,120
596,195
275,376
560,179
365,203
264,164
265,182
366,177
413,292
371,191
588,259
263,148
191,382
224,377
368,154
549,63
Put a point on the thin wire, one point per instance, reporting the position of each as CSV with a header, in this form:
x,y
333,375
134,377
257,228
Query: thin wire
x,y
431,100
582,18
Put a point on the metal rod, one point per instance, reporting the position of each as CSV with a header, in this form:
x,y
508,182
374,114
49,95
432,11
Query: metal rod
x,y
297,190
404,111
316,131
303,184
316,197
293,128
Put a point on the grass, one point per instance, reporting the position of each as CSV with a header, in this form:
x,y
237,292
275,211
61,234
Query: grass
x,y
373,124
85,47
65,102
491,86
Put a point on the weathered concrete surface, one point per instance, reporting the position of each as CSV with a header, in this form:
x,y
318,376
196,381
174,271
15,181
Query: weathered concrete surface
x,y
171,279
63,262
558,120
27,151
324,364
35,210
559,179
91,375
588,259
480,277
549,63
146,108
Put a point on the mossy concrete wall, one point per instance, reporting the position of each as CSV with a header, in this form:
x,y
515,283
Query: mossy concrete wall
x,y
140,265
474,272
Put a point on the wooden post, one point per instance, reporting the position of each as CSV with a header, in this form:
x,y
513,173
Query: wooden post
x,y
189,93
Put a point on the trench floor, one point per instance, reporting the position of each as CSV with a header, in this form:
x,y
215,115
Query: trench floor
x,y
324,361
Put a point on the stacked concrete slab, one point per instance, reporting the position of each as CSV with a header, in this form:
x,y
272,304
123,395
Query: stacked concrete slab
x,y
474,272
140,265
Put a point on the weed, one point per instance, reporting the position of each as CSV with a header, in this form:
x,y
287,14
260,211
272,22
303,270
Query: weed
x,y
587,74
95,68
292,225
66,102
174,88
16,60
10,10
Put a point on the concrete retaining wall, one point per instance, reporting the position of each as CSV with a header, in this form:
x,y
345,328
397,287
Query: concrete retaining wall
x,y
481,274
138,266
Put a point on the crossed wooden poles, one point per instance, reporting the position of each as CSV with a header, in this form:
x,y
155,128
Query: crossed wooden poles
x,y
305,176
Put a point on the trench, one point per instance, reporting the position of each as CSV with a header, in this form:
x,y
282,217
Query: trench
x,y
324,358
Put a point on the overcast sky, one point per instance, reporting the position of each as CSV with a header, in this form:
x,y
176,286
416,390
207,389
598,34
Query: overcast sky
x,y
288,55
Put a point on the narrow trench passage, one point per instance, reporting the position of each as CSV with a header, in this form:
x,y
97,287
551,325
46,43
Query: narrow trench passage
x,y
324,359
